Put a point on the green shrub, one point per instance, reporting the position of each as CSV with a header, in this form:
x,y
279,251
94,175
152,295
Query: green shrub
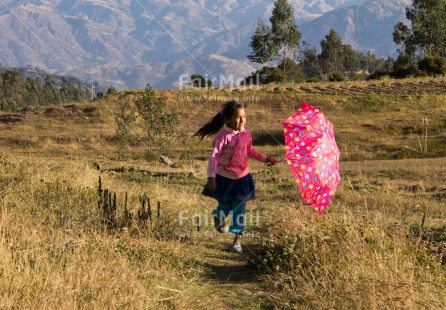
x,y
125,119
111,91
266,75
432,65
161,127
336,77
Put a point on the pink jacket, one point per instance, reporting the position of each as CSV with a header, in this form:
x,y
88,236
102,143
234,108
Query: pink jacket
x,y
230,155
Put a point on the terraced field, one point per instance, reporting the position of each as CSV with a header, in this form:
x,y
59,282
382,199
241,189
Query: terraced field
x,y
433,86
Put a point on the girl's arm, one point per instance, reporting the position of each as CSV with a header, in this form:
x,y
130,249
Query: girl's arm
x,y
271,161
219,144
253,153
211,185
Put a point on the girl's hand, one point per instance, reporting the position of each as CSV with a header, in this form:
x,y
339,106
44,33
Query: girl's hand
x,y
212,184
270,161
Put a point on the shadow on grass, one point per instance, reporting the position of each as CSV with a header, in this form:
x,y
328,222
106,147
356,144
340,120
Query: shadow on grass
x,y
230,273
271,137
228,267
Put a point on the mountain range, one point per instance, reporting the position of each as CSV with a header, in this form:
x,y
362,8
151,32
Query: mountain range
x,y
130,43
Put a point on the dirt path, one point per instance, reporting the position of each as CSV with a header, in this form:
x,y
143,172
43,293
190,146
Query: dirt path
x,y
232,283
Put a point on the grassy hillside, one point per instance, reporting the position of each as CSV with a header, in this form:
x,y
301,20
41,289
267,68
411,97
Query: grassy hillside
x,y
370,121
381,243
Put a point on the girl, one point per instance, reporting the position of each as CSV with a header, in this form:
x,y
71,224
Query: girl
x,y
229,180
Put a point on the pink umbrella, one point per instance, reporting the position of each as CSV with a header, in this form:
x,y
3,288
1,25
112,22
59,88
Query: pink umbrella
x,y
312,155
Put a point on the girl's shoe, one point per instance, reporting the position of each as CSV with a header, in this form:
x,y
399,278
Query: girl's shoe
x,y
219,224
236,248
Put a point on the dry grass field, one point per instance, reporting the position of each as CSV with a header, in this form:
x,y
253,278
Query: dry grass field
x,y
380,245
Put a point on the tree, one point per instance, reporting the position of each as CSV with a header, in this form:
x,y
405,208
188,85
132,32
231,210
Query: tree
x,y
198,80
125,119
350,63
111,90
294,72
426,36
308,59
368,61
67,91
282,39
384,68
428,19
264,49
432,65
12,88
80,92
285,32
2,93
267,75
402,35
161,127
33,92
150,110
18,92
331,57
50,91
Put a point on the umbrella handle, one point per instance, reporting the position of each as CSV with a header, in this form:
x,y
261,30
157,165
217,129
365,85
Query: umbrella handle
x,y
277,161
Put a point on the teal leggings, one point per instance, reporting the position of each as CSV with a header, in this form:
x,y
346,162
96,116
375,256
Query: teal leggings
x,y
238,210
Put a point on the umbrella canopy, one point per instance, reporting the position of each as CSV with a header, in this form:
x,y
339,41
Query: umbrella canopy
x,y
312,155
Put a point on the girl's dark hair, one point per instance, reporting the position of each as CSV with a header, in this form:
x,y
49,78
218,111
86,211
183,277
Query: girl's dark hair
x,y
217,122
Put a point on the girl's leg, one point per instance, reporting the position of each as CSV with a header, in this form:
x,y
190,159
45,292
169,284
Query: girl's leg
x,y
238,218
237,237
219,216
236,247
223,210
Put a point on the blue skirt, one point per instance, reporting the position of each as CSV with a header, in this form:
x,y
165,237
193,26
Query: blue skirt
x,y
229,190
